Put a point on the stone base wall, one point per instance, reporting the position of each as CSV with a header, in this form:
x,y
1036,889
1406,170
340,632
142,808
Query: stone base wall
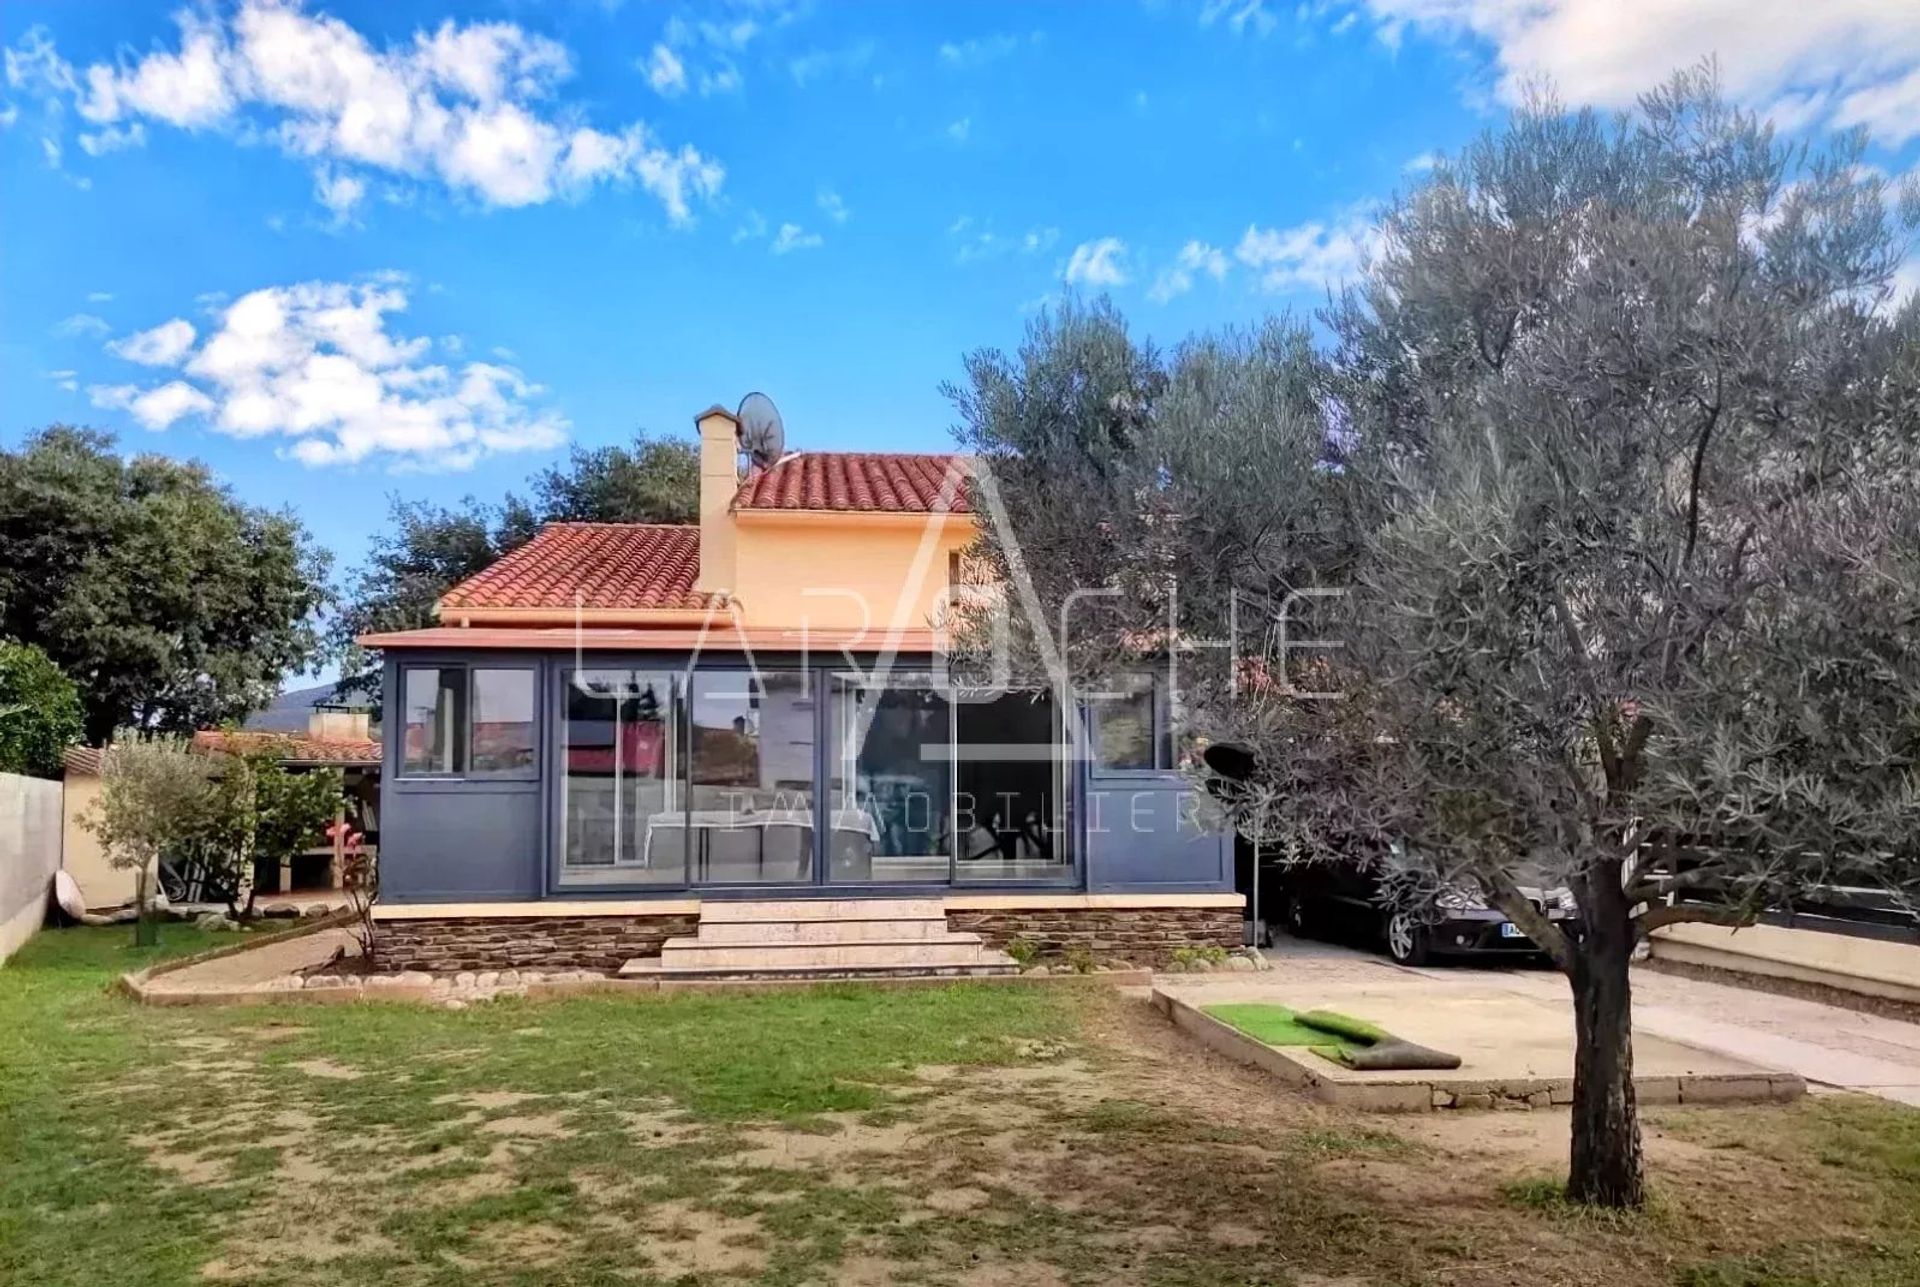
x,y
1138,935
447,946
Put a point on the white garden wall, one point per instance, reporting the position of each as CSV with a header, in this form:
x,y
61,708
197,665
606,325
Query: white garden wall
x,y
30,822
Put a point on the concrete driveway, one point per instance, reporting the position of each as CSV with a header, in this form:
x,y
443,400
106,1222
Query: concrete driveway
x,y
1826,1045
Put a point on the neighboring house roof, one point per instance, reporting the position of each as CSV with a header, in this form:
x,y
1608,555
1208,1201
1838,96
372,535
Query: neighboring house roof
x,y
875,482
81,761
291,748
596,565
292,709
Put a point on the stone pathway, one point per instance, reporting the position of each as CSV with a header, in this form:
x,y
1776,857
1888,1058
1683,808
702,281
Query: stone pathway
x,y
257,966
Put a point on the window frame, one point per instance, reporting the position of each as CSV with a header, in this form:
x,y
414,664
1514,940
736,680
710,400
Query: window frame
x,y
1092,705
464,771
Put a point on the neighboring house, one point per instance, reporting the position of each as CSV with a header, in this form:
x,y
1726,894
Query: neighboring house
x,y
617,723
333,739
294,711
101,883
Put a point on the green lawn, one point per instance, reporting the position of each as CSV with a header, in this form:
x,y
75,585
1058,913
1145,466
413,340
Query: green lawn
x,y
959,1134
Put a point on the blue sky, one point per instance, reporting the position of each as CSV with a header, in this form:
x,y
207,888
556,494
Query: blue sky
x,y
349,249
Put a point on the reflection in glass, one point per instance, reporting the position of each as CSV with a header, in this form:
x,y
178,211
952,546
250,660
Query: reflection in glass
x,y
892,780
503,732
1011,788
750,760
435,705
619,803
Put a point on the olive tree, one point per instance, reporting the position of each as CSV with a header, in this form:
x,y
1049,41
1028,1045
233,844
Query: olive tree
x,y
1637,616
1611,558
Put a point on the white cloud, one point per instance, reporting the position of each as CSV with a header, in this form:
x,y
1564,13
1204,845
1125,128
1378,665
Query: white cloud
x,y
1421,164
155,408
832,206
724,79
986,49
67,380
1177,278
164,345
817,64
1241,16
99,297
960,129
665,72
1311,256
81,324
317,364
981,242
1847,62
471,107
1098,263
792,237
339,193
752,227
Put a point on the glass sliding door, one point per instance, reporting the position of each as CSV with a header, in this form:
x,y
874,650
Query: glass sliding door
x,y
621,805
750,759
1011,794
890,780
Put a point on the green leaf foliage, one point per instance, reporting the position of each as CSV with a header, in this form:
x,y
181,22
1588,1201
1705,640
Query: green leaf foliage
x,y
40,711
172,605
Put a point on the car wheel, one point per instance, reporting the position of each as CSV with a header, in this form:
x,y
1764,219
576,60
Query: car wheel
x,y
1406,940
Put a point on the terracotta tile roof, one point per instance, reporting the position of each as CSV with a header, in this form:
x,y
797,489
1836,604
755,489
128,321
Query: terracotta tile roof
x,y
82,761
598,565
291,748
879,482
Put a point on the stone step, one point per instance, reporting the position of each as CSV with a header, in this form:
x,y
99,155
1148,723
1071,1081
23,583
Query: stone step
x,y
681,953
751,933
997,964
716,911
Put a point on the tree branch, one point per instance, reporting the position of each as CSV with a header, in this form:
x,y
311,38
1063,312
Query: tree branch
x,y
1506,895
1690,913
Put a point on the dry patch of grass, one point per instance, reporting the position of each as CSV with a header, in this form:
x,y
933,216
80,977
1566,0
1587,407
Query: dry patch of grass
x,y
955,1135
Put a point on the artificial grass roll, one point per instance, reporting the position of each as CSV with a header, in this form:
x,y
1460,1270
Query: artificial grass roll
x,y
1358,1031
1274,1024
1395,1055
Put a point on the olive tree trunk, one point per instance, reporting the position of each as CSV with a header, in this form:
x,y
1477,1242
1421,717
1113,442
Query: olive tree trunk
x,y
1607,1167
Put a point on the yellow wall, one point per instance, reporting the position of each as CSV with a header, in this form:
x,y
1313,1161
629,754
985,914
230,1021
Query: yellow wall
x,y
843,571
101,883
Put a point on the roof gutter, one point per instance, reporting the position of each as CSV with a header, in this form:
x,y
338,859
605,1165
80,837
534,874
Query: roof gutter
x,y
720,614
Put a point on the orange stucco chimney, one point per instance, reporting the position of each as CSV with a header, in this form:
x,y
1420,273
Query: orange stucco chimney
x,y
719,483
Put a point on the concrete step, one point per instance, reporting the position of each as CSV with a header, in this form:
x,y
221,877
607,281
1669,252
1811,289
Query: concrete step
x,y
651,968
754,933
680,954
730,911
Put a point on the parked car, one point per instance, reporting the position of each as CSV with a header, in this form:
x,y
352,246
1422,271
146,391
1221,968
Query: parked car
x,y
1347,901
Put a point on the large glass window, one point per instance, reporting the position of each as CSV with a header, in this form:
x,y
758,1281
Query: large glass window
x,y
891,780
1011,799
750,759
621,806
468,722
434,739
504,737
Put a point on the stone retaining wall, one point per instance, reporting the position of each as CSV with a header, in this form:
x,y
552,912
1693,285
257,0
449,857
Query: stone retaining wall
x,y
1140,935
447,946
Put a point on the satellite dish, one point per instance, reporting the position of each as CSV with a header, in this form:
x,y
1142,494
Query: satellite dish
x,y
763,435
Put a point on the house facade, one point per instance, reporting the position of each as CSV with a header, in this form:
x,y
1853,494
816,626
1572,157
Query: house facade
x,y
618,723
